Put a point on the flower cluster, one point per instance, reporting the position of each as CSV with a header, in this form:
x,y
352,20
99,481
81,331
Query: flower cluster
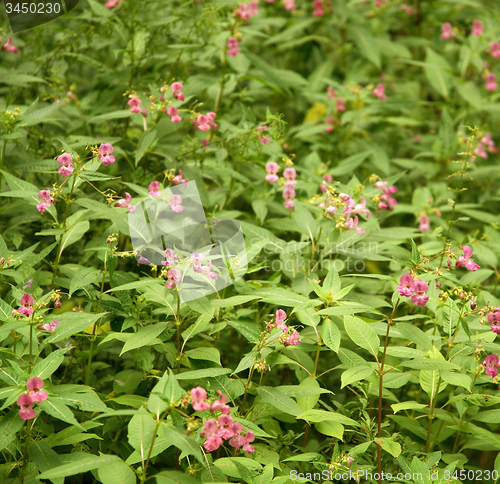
x,y
272,169
318,8
423,223
177,88
177,179
125,202
46,201
35,395
224,428
379,92
290,336
386,200
491,82
9,46
491,365
477,27
464,260
65,161
196,259
346,221
446,31
154,189
416,289
232,46
264,139
26,305
205,122
288,192
245,10
480,150
495,50
494,320
105,151
135,105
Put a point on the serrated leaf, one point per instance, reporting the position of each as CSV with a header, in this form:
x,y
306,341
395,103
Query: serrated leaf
x,y
277,399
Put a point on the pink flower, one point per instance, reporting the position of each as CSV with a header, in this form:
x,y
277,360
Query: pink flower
x,y
292,339
210,427
352,224
198,393
331,92
107,160
50,326
171,257
318,8
424,223
495,50
26,412
290,5
57,304
289,194
491,84
290,174
289,204
494,320
237,440
491,363
124,201
386,200
111,3
177,88
359,208
479,151
177,180
9,46
253,7
419,298
406,285
173,113
477,27
379,91
330,128
26,307
105,149
225,427
447,31
271,169
249,437
464,260
263,139
175,203
65,161
220,404
34,386
174,276
134,103
202,123
340,104
232,45
154,189
212,443
280,316
46,200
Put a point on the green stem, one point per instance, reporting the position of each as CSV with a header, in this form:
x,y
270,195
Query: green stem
x,y
59,251
380,389
25,455
178,323
250,374
2,155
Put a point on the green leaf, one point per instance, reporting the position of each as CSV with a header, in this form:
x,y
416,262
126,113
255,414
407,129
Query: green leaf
x,y
175,477
451,315
311,385
430,364
315,415
260,208
10,424
71,323
202,306
362,334
277,399
415,335
397,407
415,255
144,143
44,368
330,428
201,353
366,43
141,431
43,456
74,234
305,221
188,445
117,473
456,379
144,337
438,70
355,374
79,466
330,334
120,114
332,283
83,278
200,374
57,409
390,446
